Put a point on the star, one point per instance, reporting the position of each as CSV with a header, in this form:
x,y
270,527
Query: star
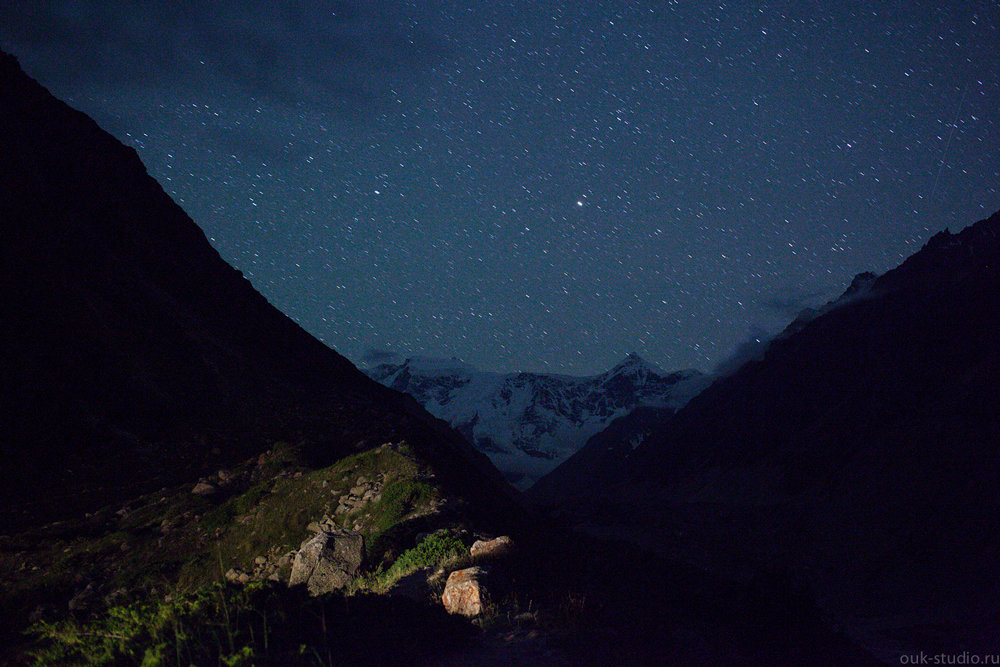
x,y
387,175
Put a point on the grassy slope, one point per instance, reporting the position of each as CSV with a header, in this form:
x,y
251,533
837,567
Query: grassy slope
x,y
173,541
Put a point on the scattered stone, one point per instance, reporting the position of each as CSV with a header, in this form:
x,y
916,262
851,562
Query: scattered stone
x,y
328,561
314,527
260,560
204,488
237,576
499,546
465,592
283,567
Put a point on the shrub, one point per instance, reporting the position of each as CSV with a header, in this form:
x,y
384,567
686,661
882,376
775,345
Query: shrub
x,y
432,551
259,624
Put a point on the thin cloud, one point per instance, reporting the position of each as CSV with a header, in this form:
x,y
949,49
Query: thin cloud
x,y
341,56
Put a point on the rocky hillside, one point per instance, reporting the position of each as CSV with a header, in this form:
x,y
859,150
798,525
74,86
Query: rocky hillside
x,y
528,423
133,356
176,425
862,453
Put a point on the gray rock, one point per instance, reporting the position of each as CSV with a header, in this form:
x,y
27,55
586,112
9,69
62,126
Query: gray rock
x,y
328,561
204,489
283,568
237,576
498,546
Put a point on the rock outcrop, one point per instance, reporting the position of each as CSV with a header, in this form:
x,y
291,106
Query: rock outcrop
x,y
328,561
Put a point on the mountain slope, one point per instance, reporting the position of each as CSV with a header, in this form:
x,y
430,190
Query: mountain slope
x,y
607,451
528,423
862,452
610,449
133,356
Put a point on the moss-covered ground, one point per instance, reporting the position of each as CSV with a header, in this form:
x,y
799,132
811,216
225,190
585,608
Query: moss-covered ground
x,y
175,542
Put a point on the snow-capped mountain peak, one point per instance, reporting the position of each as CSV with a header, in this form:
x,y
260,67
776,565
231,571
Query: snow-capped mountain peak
x,y
633,364
528,423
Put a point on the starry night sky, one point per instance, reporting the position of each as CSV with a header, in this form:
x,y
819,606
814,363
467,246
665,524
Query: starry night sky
x,y
545,185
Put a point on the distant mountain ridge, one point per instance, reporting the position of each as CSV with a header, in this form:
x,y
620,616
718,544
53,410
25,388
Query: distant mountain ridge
x,y
528,423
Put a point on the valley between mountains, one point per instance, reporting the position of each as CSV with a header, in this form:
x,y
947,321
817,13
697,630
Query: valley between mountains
x,y
189,477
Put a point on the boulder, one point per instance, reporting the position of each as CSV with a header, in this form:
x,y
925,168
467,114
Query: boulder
x,y
328,561
204,488
465,592
499,546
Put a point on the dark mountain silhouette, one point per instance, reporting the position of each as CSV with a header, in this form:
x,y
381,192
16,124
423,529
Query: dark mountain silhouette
x,y
132,354
861,455
604,453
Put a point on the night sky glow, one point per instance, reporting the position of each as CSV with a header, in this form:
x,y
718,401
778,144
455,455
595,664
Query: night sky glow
x,y
546,185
